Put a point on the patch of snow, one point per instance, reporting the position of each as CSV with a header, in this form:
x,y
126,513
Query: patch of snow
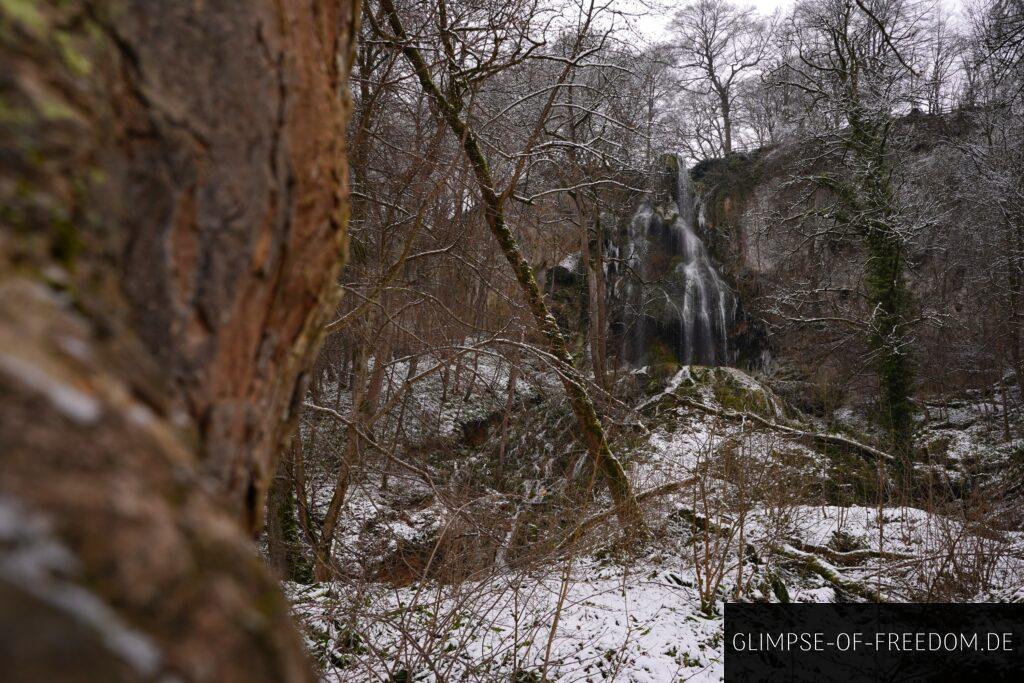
x,y
36,563
76,405
570,262
640,625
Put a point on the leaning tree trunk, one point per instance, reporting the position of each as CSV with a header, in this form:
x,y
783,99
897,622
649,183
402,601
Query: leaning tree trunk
x,y
591,430
173,199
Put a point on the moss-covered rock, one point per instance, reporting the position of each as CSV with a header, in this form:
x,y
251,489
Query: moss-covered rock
x,y
733,390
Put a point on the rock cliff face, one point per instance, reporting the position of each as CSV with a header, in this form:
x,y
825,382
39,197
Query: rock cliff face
x,y
671,303
804,275
174,197
675,305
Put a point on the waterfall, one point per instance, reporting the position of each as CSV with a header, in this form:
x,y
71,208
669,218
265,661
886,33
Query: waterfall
x,y
677,303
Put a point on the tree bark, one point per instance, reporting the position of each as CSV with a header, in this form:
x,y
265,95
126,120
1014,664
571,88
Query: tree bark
x,y
174,200
726,122
599,307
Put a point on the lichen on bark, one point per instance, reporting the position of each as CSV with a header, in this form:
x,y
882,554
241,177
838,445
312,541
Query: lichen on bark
x,y
173,191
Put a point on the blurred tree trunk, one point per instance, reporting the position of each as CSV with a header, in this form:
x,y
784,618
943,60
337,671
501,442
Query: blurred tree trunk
x,y
174,202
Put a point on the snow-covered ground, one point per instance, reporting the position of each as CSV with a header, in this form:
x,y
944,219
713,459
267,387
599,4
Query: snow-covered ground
x,y
634,612
585,620
636,619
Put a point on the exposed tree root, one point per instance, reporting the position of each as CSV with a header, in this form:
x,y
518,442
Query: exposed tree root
x,y
832,439
850,558
813,564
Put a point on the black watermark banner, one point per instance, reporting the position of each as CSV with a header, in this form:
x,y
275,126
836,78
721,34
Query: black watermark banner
x,y
871,642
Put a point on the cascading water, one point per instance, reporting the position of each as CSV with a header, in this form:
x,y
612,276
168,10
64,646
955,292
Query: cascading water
x,y
678,306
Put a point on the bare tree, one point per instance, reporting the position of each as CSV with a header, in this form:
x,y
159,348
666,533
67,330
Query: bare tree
x,y
856,62
721,44
941,52
509,46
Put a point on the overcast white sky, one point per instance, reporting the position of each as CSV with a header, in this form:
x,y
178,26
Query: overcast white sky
x,y
654,24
